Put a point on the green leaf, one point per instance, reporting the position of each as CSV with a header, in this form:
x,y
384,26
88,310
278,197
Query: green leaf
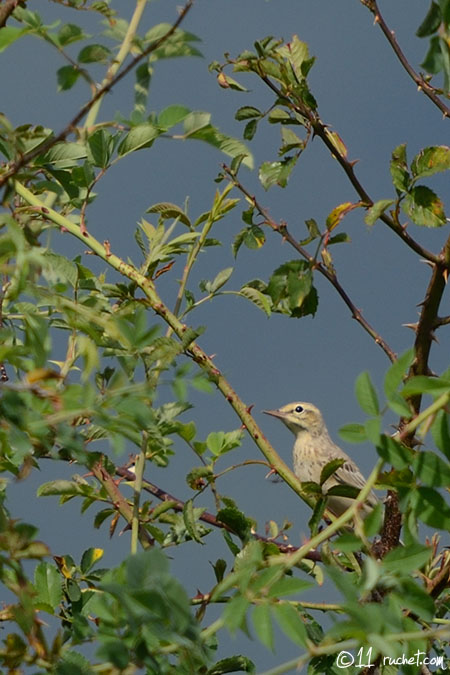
x,y
423,384
441,433
227,144
262,623
61,487
399,169
69,33
168,210
434,59
406,559
377,210
89,558
94,54
67,77
140,136
291,289
172,115
190,516
250,130
416,598
431,22
288,586
235,611
232,664
394,452
247,112
353,433
396,373
430,161
72,663
424,207
330,468
366,394
291,623
431,470
9,34
63,155
259,299
100,144
431,508
220,280
47,583
276,173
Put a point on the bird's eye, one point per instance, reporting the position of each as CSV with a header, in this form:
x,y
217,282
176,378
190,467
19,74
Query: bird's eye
x,y
299,409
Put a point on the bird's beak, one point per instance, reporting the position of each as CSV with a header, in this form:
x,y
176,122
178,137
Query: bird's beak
x,y
274,413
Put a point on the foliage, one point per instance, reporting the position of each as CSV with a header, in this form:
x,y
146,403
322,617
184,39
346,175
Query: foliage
x,y
123,343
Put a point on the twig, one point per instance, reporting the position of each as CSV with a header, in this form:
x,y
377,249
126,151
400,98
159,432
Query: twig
x,y
421,83
281,228
27,157
206,517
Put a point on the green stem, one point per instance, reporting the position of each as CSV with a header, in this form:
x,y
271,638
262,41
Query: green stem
x,y
139,468
120,58
437,405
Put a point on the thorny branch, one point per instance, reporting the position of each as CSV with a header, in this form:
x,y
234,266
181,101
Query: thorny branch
x,y
69,128
282,229
421,83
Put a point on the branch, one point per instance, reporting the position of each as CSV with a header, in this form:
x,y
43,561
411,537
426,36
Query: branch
x,y
107,86
206,517
281,228
320,130
422,84
7,9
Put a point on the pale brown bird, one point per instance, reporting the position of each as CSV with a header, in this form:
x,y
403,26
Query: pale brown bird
x,y
313,449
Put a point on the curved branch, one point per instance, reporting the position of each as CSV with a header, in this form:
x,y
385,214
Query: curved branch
x,y
422,84
107,86
281,228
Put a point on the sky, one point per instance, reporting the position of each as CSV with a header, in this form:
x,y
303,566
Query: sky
x,y
366,97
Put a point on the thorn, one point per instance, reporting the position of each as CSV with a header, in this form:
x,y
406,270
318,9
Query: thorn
x,y
445,274
427,262
413,326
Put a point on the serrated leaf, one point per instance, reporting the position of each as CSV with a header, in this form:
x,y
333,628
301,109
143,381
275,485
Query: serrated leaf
x,y
424,207
247,112
393,452
61,487
430,161
47,583
397,371
140,136
441,433
377,210
172,115
290,622
100,144
276,173
366,394
168,210
94,54
259,299
399,169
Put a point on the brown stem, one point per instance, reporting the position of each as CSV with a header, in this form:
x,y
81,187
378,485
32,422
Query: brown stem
x,y
28,156
7,9
281,228
422,84
207,517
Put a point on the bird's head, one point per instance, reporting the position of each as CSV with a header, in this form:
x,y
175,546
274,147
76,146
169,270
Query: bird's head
x,y
300,417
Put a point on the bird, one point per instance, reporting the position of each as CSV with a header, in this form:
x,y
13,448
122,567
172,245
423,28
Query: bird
x,y
313,449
